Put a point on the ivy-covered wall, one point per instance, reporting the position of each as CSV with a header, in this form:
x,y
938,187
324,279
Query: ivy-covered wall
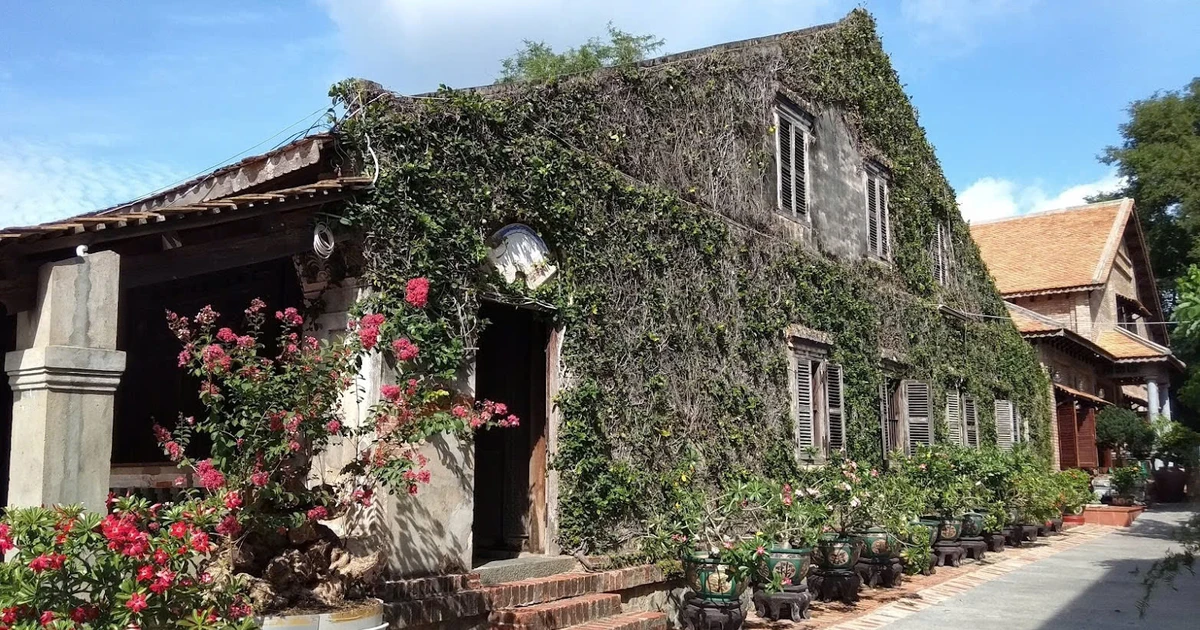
x,y
654,187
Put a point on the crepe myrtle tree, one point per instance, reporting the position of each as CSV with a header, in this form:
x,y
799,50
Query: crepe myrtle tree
x,y
271,410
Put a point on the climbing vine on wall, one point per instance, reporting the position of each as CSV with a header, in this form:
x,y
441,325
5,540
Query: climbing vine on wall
x,y
651,184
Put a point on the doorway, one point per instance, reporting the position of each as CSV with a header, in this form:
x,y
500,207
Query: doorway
x,y
510,464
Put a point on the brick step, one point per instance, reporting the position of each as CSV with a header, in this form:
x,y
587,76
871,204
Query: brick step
x,y
564,585
627,621
557,614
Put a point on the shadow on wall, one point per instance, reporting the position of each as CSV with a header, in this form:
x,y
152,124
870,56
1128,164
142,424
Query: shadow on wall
x,y
430,533
1111,600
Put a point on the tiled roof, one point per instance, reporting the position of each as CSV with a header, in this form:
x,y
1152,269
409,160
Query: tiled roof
x,y
1080,394
1029,322
1136,393
1053,251
1125,346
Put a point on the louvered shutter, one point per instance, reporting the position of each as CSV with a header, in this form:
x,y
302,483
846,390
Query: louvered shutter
x,y
783,141
916,414
837,423
800,169
804,408
872,215
954,417
884,210
885,432
1005,423
971,419
939,268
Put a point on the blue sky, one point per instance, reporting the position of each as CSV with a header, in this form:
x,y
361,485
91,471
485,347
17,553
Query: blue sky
x,y
103,102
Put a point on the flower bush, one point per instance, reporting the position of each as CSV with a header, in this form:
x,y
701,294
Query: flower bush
x,y
142,565
1074,490
844,492
940,475
271,408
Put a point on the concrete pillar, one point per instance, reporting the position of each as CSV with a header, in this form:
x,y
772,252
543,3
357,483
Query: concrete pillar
x,y
1166,401
1152,399
64,374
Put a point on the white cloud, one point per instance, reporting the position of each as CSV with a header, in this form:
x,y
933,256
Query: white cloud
x,y
958,25
413,45
41,183
994,198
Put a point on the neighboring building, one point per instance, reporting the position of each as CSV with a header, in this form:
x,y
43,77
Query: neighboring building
x,y
757,267
1079,287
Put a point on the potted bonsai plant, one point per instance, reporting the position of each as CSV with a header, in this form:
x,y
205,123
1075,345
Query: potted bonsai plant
x,y
784,515
1125,481
896,542
949,491
842,491
1074,492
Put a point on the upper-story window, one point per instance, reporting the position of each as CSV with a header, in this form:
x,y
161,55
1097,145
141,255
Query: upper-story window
x,y
942,252
817,401
793,133
1008,424
1127,315
878,226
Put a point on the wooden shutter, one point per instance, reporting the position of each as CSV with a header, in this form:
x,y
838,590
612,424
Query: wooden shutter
x,y
800,169
884,218
885,430
916,414
939,267
804,406
1089,456
872,215
784,130
833,400
954,417
1068,443
971,420
1005,422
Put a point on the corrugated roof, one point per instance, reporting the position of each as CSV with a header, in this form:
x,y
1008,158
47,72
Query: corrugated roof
x,y
1053,251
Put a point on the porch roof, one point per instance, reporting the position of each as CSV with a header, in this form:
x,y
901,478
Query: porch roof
x,y
1126,347
1080,395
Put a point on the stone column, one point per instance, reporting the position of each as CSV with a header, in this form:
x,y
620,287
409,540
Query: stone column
x,y
63,376
1152,399
1166,401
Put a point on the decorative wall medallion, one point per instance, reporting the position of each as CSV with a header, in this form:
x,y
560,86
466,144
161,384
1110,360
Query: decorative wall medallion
x,y
518,252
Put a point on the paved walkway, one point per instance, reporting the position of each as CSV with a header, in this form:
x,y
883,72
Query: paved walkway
x,y
1095,585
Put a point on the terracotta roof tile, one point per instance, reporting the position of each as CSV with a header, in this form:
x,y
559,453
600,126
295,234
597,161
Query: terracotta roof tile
x,y
1124,346
1052,250
1080,394
1027,323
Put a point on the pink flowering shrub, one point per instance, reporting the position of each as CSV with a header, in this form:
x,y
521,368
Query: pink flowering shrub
x,y
141,565
269,413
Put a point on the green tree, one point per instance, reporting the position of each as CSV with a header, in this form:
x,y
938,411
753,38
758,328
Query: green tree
x,y
537,61
1160,159
1122,430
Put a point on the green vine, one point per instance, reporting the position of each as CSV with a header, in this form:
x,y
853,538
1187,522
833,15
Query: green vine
x,y
651,184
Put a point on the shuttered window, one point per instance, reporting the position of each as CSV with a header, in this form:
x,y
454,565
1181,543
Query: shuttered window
x,y
791,160
878,236
836,411
1006,424
971,422
805,433
916,414
954,424
941,253
890,429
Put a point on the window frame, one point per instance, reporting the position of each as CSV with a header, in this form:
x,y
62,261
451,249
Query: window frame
x,y
800,125
820,413
877,180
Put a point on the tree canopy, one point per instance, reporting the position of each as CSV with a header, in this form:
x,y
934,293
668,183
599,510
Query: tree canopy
x,y
537,61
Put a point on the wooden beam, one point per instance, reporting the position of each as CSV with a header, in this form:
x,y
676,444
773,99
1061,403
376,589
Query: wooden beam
x,y
193,260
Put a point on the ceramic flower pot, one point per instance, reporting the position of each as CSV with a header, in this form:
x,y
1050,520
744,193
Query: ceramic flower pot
x,y
368,616
837,553
972,525
791,565
949,529
934,527
710,579
879,544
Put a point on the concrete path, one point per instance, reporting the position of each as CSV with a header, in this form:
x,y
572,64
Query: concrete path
x,y
1095,585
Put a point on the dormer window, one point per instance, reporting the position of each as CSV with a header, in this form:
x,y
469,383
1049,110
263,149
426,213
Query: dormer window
x,y
793,132
878,226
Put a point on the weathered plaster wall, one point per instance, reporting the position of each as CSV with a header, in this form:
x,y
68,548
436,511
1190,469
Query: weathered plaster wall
x,y
429,533
838,190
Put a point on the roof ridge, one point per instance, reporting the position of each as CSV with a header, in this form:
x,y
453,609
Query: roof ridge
x,y
1042,213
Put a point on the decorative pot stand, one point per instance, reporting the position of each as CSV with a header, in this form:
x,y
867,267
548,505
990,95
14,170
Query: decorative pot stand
x,y
1013,535
947,554
975,547
1029,533
794,600
995,542
887,573
1054,526
835,584
703,614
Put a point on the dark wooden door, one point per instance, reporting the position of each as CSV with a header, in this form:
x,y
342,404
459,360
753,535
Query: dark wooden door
x,y
1068,444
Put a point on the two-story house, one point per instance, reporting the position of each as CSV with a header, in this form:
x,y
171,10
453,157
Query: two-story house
x,y
1078,285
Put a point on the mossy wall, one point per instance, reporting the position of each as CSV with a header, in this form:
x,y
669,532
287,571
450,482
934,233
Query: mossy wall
x,y
653,185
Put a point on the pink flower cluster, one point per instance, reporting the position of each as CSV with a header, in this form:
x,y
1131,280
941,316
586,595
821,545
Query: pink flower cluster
x,y
368,330
210,477
416,292
290,317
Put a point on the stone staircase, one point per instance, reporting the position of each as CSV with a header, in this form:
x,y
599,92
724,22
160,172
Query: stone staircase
x,y
574,601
